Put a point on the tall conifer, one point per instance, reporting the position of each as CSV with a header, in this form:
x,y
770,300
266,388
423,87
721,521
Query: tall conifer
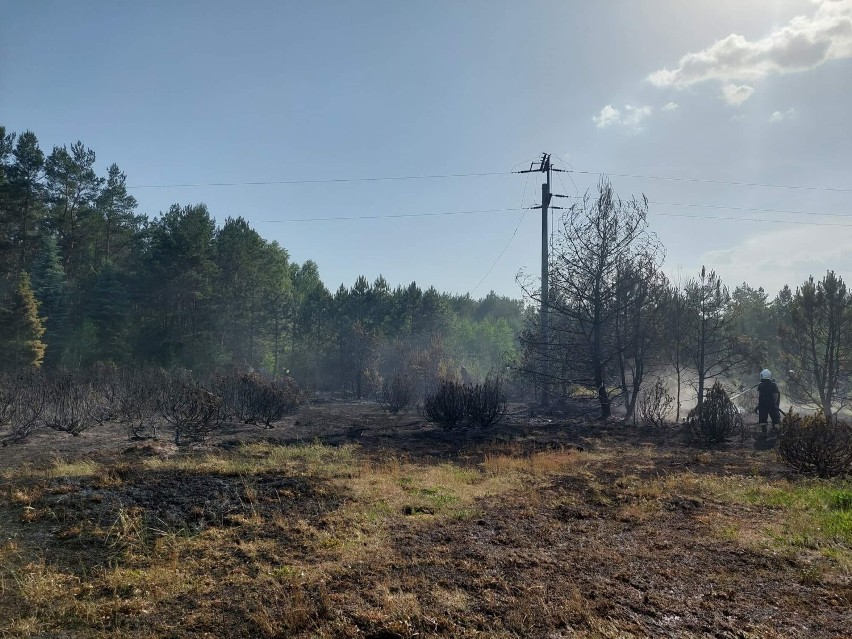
x,y
21,328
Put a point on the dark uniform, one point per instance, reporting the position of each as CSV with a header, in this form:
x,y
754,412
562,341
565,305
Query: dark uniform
x,y
768,400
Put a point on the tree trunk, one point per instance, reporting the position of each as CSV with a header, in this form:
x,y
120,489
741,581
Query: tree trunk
x,y
677,412
277,339
603,396
827,408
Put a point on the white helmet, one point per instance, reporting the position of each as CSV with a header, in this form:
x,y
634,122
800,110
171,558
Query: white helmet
x,y
765,374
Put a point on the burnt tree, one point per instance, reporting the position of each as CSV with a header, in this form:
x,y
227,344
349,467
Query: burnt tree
x,y
600,240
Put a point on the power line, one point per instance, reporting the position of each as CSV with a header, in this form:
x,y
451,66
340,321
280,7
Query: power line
x,y
714,181
392,178
320,181
748,219
383,217
743,208
722,207
514,233
522,208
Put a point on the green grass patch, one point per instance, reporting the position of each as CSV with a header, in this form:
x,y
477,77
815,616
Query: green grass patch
x,y
818,514
814,514
438,497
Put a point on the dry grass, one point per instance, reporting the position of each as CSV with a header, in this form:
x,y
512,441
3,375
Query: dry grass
x,y
258,458
59,468
504,544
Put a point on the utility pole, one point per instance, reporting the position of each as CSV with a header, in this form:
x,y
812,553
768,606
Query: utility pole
x,y
547,168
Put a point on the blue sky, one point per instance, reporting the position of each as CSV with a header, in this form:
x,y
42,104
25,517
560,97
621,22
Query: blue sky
x,y
201,92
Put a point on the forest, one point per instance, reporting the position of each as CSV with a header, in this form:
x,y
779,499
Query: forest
x,y
87,277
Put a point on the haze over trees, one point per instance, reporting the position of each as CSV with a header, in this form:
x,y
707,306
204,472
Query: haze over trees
x,y
617,320
85,278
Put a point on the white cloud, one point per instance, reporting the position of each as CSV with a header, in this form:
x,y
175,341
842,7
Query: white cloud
x,y
782,254
608,116
735,95
671,106
633,115
803,44
630,117
780,116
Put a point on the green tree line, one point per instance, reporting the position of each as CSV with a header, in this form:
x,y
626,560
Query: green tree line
x,y
85,277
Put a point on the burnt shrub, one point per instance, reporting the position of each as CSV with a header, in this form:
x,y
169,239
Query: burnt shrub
x,y
193,411
9,391
22,400
816,445
106,379
478,406
139,392
715,420
272,400
228,387
252,399
485,403
72,404
654,406
397,394
447,406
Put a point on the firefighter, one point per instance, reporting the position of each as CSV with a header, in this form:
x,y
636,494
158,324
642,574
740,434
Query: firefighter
x,y
768,400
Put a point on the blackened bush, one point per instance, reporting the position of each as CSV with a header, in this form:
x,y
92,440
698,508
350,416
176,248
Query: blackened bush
x,y
716,419
816,445
228,387
486,403
72,405
251,399
272,400
654,406
397,393
105,379
446,406
478,406
193,411
9,391
23,397
138,399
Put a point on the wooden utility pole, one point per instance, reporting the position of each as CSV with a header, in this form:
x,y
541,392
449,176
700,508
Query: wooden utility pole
x,y
546,194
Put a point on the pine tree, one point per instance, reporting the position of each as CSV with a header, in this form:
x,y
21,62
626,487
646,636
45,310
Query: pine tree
x,y
119,225
73,188
817,340
21,328
108,308
24,200
54,295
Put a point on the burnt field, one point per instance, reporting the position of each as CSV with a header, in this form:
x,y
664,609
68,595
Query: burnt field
x,y
346,521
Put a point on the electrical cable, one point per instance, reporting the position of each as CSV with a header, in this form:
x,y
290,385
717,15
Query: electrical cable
x,y
384,217
487,174
747,219
714,181
653,202
514,233
318,181
657,213
744,208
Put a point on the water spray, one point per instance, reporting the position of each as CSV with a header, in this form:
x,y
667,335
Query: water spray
x,y
732,397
